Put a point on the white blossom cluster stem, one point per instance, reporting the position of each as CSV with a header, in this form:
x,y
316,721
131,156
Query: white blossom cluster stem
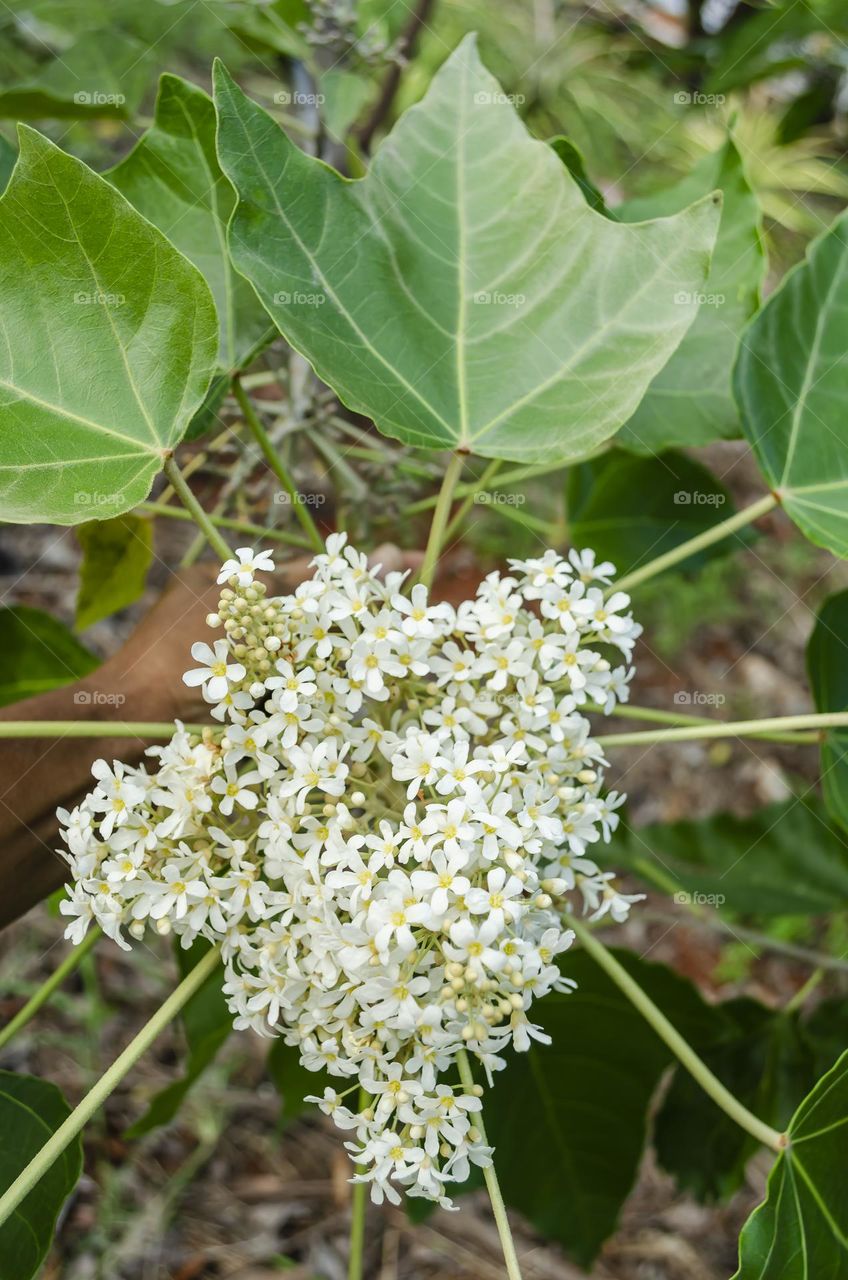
x,y
404,796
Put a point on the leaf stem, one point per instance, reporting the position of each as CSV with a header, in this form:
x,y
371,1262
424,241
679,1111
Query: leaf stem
x,y
97,728
679,719
706,539
727,729
476,486
109,1081
681,1048
45,991
191,505
440,518
275,462
513,1270
225,522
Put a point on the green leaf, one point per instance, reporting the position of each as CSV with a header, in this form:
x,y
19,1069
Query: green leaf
x,y
463,294
633,509
172,177
103,73
791,385
31,1110
81,270
37,653
293,1081
572,157
750,865
568,1120
347,94
762,1056
827,664
116,555
690,402
207,1023
800,1232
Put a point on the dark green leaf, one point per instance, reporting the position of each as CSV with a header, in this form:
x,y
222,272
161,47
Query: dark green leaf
x,y
31,1110
37,653
632,509
102,74
572,157
800,1232
207,1023
293,1081
763,1057
791,385
690,402
568,1120
827,664
787,859
116,557
480,305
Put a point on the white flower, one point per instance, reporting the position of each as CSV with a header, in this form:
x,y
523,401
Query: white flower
x,y
246,566
217,674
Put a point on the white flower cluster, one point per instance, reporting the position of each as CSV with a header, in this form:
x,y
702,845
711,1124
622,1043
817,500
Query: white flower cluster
x,y
383,833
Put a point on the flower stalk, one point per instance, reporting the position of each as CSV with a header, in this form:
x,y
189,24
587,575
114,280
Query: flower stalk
x,y
728,729
681,1048
201,519
490,1177
107,1083
98,728
276,464
440,518
257,531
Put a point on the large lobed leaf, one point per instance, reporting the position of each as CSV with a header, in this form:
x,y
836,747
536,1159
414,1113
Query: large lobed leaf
x,y
463,294
800,1232
82,271
791,385
173,178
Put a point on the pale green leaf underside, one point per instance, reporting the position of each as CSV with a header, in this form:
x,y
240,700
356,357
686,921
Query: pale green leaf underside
x,y
172,177
462,294
800,1232
107,343
791,385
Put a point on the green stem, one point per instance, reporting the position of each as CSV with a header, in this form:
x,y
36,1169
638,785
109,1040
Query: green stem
x,y
359,1203
801,994
629,712
728,729
706,539
45,991
97,728
513,1270
681,1048
476,486
109,1081
440,518
468,502
275,462
191,505
225,522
